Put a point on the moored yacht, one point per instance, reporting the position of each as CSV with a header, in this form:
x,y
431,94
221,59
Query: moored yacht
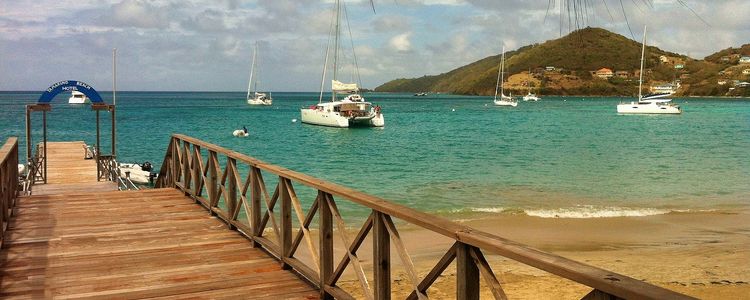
x,y
77,97
503,100
253,96
350,111
649,104
530,96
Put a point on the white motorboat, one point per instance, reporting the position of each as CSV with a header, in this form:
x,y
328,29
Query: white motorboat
x,y
530,96
649,104
253,96
503,100
77,97
350,111
138,173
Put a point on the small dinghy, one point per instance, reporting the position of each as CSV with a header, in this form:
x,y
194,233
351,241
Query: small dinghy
x,y
240,132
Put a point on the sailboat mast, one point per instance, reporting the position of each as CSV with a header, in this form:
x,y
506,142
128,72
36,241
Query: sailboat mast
x,y
252,70
336,47
643,52
528,81
497,84
502,74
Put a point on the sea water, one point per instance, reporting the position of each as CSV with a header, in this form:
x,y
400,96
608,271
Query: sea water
x,y
453,155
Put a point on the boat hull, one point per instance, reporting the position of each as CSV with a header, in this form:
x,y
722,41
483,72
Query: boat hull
x,y
259,102
506,103
647,108
76,100
334,119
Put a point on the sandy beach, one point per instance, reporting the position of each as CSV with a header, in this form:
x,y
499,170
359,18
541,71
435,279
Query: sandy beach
x,y
704,255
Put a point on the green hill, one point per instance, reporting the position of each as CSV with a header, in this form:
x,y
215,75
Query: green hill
x,y
573,57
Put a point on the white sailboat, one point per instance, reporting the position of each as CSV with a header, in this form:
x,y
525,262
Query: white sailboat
x,y
530,96
504,100
648,105
350,111
254,97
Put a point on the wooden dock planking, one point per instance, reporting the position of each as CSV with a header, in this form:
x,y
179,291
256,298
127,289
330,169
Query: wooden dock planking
x,y
134,244
69,172
66,163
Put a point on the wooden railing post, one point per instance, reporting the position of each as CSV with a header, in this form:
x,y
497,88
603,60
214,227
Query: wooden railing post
x,y
186,171
381,257
467,274
326,243
197,171
286,222
175,165
213,191
231,198
255,197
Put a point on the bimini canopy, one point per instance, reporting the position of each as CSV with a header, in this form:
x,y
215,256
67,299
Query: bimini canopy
x,y
68,86
339,86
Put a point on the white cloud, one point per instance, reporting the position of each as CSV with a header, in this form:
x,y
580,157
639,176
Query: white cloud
x,y
401,42
139,13
207,44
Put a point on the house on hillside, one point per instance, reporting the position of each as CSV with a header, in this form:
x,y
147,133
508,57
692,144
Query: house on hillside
x,y
725,58
746,72
622,74
549,69
721,82
745,60
664,59
679,66
685,76
604,73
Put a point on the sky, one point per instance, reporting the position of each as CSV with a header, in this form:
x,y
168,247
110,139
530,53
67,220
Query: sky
x,y
207,45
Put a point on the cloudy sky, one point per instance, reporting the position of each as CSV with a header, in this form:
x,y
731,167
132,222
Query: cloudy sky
x,y
206,45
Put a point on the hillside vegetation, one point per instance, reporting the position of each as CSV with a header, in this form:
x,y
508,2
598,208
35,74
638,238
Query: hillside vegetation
x,y
574,57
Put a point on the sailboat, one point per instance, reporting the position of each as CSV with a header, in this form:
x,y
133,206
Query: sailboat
x,y
648,105
530,96
504,100
254,97
350,111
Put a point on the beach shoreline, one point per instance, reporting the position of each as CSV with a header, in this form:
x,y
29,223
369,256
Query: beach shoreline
x,y
701,254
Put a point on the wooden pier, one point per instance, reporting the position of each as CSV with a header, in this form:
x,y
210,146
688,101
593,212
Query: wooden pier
x,y
85,239
68,171
211,230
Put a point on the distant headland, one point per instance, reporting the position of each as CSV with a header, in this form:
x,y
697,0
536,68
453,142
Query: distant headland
x,y
596,62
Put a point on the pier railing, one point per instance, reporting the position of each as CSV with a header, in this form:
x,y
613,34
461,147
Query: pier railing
x,y
266,219
8,183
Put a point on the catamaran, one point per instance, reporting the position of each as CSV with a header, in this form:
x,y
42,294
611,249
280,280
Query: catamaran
x,y
504,100
650,104
350,111
254,97
530,96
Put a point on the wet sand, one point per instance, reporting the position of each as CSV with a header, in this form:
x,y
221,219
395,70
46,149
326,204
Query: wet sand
x,y
705,255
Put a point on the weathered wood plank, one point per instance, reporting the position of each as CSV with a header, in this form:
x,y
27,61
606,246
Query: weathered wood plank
x,y
135,244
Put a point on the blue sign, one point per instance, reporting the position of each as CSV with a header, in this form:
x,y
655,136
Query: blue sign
x,y
68,86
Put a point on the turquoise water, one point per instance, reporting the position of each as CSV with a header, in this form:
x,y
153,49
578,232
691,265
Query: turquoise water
x,y
571,156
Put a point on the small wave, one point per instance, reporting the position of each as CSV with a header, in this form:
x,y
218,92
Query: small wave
x,y
586,212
